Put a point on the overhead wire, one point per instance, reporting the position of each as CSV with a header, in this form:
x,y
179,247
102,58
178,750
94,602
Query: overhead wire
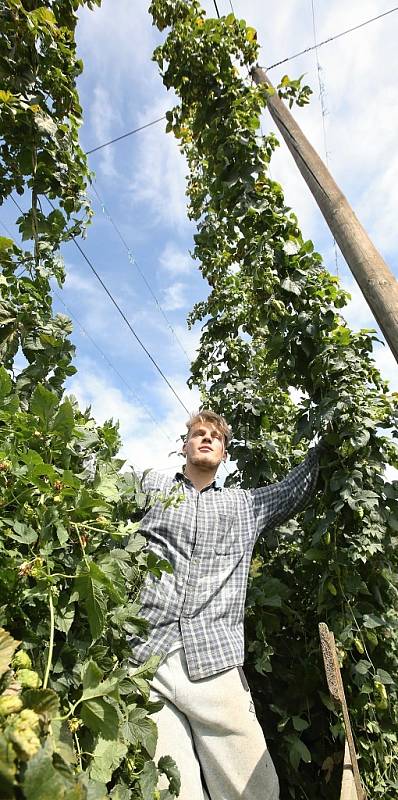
x,y
133,261
125,319
113,368
272,66
128,323
120,311
98,348
332,38
124,135
7,230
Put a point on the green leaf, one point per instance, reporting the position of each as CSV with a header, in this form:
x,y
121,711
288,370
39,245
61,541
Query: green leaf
x,y
43,16
64,617
148,668
139,728
42,781
99,576
363,667
31,457
43,701
101,717
8,646
120,792
95,790
107,756
106,482
299,724
372,621
290,286
91,594
111,570
62,741
107,688
298,751
316,554
43,404
91,674
167,765
64,420
384,677
5,383
360,439
24,534
148,780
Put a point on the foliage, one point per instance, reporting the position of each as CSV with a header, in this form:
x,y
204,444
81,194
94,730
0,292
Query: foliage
x,y
273,324
69,592
75,716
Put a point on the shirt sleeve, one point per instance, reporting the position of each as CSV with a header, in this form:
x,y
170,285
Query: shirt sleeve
x,y
278,502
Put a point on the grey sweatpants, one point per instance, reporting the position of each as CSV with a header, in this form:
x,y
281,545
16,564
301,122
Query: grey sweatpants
x,y
209,726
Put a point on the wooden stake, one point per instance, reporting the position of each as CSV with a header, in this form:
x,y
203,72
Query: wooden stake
x,y
374,277
336,689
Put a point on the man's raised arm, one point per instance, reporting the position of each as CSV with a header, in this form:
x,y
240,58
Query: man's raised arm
x,y
278,502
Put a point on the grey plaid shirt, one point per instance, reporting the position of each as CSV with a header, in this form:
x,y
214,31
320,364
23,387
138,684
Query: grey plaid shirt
x,y
208,538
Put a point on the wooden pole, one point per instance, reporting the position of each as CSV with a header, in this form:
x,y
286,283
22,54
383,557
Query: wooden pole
x,y
336,689
374,277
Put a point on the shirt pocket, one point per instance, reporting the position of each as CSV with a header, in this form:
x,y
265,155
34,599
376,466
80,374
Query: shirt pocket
x,y
228,541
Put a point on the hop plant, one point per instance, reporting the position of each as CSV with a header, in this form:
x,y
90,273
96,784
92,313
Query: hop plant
x,y
21,660
28,678
22,732
10,704
74,724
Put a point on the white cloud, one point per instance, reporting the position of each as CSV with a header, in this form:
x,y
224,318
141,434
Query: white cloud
x,y
117,40
105,120
175,260
159,171
174,297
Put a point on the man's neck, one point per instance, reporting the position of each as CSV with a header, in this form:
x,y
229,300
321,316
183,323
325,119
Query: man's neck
x,y
200,478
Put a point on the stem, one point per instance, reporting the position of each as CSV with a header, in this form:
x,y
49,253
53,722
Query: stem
x,y
62,575
79,752
82,546
16,497
51,643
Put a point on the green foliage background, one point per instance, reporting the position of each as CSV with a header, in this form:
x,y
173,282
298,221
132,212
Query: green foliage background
x,y
74,714
273,322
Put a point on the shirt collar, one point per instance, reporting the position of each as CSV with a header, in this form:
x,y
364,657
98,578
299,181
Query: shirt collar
x,y
179,476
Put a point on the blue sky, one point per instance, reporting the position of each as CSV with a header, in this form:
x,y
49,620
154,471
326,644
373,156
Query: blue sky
x,y
141,182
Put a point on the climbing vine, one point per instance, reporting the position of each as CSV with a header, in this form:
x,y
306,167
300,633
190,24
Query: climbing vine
x,y
273,324
75,717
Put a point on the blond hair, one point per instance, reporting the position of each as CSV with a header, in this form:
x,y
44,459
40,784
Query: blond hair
x,y
217,420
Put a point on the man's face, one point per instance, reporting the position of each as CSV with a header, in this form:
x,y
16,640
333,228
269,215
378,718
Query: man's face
x,y
204,446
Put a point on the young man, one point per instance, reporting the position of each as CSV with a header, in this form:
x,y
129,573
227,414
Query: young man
x,y
195,616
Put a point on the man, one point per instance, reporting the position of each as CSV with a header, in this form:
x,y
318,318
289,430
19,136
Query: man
x,y
195,616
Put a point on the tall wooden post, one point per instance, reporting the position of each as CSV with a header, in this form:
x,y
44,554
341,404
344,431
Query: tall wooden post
x,y
374,277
